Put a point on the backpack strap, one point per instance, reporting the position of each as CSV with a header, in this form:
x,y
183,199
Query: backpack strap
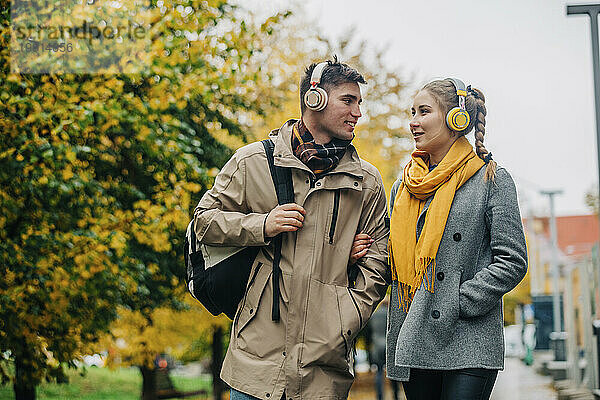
x,y
284,187
282,177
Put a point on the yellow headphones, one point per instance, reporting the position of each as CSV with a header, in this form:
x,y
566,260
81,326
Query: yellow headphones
x,y
458,118
316,98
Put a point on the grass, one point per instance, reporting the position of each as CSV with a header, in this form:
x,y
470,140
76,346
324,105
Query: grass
x,y
104,384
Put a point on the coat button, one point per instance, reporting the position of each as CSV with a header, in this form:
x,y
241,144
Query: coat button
x,y
457,237
349,333
435,314
355,183
252,311
284,353
307,181
268,394
318,183
440,276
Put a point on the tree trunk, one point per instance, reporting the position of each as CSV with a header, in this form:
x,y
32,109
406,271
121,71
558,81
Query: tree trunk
x,y
217,363
149,389
24,389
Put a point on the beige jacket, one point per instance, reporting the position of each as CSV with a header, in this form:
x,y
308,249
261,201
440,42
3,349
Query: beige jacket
x,y
308,354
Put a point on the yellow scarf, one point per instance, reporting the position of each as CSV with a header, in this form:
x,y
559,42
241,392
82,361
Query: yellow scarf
x,y
411,258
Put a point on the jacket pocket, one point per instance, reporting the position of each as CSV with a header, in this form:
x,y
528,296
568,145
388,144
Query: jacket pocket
x,y
251,302
325,345
350,318
444,312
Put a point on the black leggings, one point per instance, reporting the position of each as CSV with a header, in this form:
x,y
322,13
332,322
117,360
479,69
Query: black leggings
x,y
460,384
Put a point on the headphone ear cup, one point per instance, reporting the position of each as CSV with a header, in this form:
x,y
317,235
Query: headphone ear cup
x,y
457,119
316,99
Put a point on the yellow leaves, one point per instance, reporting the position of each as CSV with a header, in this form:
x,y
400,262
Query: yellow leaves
x,y
172,178
109,124
70,155
153,268
213,172
158,241
105,139
223,136
100,248
67,173
143,132
181,104
108,157
19,157
193,187
134,339
118,243
94,269
158,104
80,259
9,152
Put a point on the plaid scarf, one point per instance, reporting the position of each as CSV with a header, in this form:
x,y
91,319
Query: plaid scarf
x,y
320,158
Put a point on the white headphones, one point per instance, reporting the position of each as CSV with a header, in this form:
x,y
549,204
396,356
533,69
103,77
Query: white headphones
x,y
316,98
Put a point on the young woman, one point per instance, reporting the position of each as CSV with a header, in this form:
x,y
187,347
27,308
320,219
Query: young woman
x,y
456,247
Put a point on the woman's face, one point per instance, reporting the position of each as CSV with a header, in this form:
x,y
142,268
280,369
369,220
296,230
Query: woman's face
x,y
428,126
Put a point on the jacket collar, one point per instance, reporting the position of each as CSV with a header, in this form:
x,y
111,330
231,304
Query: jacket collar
x,y
284,156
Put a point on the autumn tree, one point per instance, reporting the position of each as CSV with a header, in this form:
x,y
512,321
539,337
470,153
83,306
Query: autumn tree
x,y
99,174
137,338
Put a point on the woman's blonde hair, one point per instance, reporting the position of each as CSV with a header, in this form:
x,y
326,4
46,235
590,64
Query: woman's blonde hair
x,y
444,92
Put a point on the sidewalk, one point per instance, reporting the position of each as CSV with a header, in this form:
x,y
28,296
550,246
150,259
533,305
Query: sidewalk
x,y
516,382
520,382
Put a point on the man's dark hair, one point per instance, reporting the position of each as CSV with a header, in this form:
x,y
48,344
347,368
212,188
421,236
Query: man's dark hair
x,y
334,74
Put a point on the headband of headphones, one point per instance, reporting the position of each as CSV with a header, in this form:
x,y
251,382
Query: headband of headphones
x,y
461,91
315,78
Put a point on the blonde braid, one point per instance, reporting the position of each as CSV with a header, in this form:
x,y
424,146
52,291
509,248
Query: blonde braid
x,y
479,126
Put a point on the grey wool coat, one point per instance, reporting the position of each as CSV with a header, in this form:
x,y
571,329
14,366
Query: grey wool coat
x,y
482,255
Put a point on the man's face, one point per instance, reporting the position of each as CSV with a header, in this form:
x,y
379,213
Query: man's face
x,y
340,116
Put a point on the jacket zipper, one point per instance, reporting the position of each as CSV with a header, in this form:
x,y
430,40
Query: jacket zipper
x,y
336,206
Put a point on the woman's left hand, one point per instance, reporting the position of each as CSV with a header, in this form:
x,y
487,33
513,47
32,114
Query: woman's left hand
x,y
361,245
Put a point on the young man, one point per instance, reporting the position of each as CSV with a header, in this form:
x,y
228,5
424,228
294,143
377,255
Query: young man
x,y
308,352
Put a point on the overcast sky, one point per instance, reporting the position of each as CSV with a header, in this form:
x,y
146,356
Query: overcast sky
x,y
532,62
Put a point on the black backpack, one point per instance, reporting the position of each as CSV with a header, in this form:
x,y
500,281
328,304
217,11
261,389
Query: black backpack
x,y
221,287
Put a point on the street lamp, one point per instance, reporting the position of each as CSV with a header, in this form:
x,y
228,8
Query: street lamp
x,y
592,11
556,337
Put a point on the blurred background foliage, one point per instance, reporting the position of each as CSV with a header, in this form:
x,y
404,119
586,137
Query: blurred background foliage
x,y
100,173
